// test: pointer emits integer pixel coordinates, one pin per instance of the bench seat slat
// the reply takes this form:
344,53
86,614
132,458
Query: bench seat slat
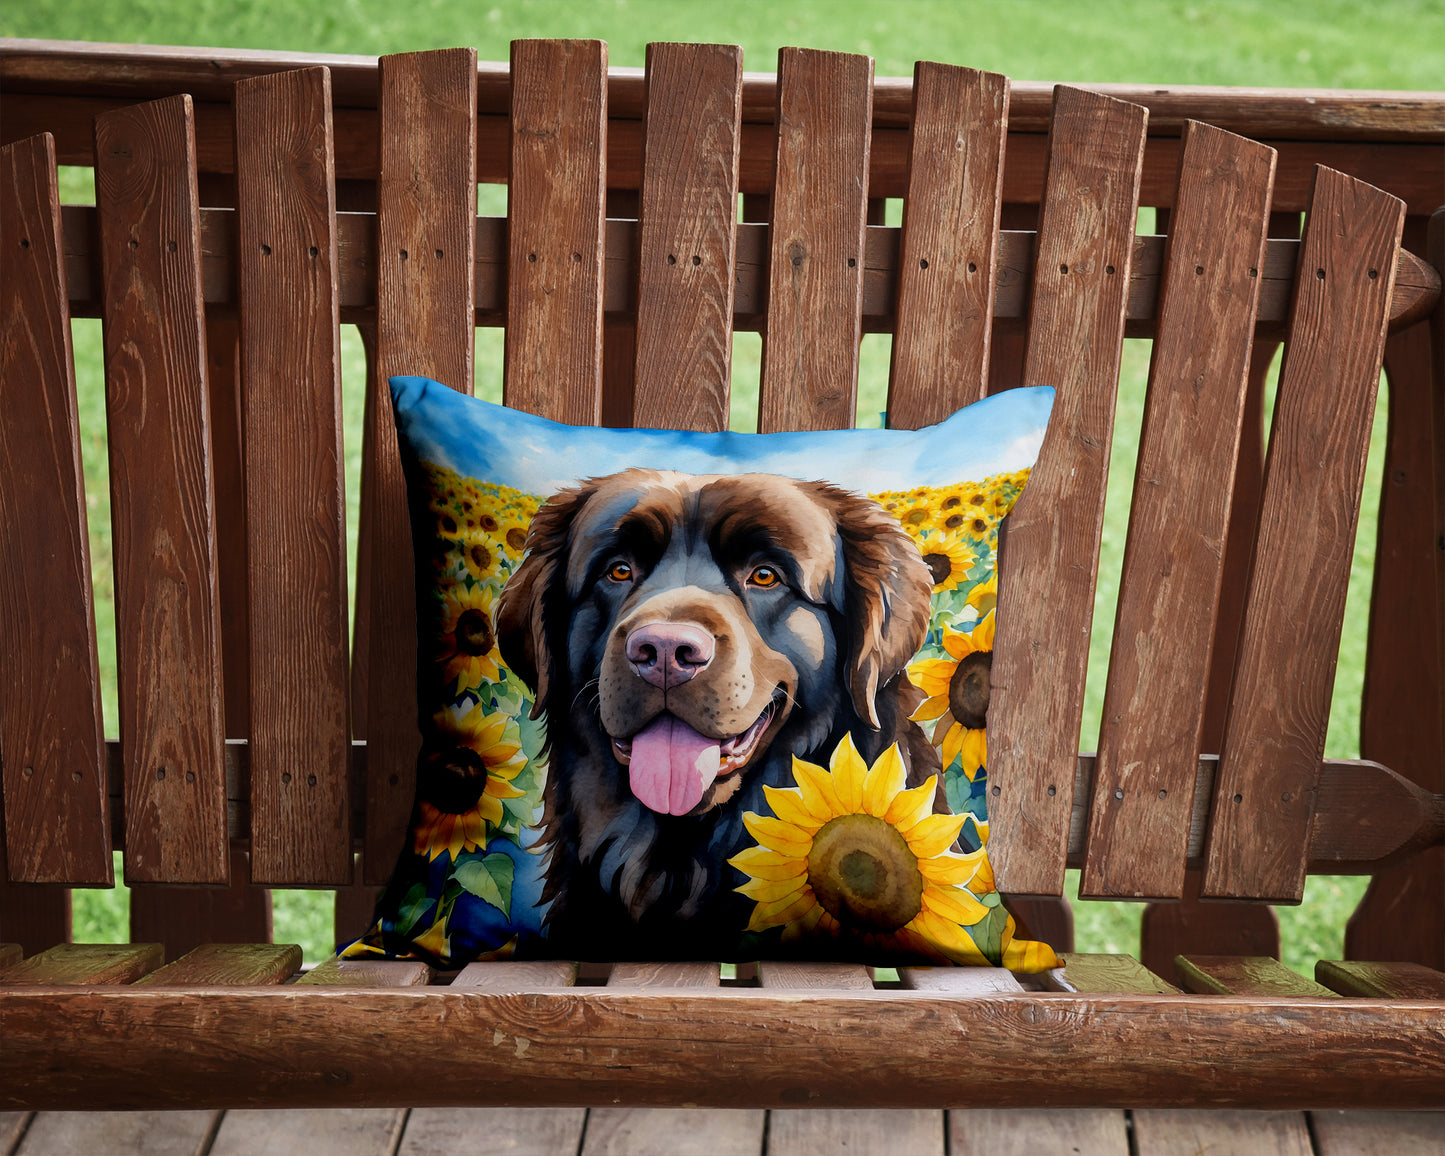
1153,712
335,972
1382,980
1279,708
84,964
168,633
515,975
783,974
56,817
947,263
1091,972
295,499
687,237
816,259
1051,551
1243,975
228,963
556,204
426,249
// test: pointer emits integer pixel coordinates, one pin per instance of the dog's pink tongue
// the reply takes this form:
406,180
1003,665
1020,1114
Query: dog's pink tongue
672,765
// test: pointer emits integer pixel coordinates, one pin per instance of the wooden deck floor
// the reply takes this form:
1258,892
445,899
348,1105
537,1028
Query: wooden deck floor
703,1132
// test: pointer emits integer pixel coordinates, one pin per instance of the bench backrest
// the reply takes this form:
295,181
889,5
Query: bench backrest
241,697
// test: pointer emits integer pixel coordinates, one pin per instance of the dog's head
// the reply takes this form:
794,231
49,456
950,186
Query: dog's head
710,615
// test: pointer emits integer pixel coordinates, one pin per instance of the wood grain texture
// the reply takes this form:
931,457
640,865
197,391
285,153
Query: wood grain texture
184,917
352,1131
1243,975
119,1133
586,1046
1153,714
816,242
959,980
515,1131
1076,331
12,1126
426,219
1279,709
897,1131
674,1132
228,963
85,963
667,975
814,976
947,267
1342,1133
168,631
368,973
687,237
1185,1132
555,206
1097,972
295,500
517,975
1382,980
1033,1131
10,953
57,824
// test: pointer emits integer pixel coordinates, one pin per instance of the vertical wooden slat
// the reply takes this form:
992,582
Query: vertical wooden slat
1046,586
1275,733
687,236
295,502
57,822
815,263
168,631
1153,714
426,221
946,269
555,222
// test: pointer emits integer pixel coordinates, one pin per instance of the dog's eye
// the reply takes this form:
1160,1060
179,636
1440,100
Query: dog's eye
620,572
764,576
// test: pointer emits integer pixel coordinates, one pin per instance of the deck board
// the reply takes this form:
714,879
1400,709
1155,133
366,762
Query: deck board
515,1131
117,1133
315,1131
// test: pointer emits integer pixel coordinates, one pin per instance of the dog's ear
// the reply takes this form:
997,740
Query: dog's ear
523,610
886,592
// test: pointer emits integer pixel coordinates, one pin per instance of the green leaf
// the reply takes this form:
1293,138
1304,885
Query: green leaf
415,904
489,879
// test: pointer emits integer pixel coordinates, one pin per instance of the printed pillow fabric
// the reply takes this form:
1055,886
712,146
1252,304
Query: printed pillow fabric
703,696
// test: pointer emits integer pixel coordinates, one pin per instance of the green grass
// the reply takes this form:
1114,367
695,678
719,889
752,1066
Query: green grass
1306,43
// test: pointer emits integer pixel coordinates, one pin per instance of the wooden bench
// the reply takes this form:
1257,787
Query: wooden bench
245,207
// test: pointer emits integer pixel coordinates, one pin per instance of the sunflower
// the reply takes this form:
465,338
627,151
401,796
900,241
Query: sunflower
513,522
464,779
850,852
948,561
984,596
481,556
467,648
958,691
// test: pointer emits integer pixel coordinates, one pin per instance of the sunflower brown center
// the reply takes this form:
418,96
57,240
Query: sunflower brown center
516,538
968,688
474,632
864,874
939,565
480,555
453,780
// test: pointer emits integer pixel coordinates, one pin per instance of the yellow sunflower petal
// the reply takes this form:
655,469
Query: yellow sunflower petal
983,633
788,806
933,834
501,789
911,806
951,869
885,778
932,675
957,644
952,739
931,708
816,786
776,834
489,809
973,749
954,904
781,911
1027,956
770,890
849,771
950,938
761,863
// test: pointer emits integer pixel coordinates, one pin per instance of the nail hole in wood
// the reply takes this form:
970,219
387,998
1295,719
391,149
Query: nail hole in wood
437,254
133,243
852,262
404,254
972,268
265,250
285,776
1239,798
696,260
1199,270
1163,794
190,776
28,772
923,263
310,780
995,792
672,259
577,257
1319,274
1109,269
160,774
1254,272
1053,791
25,242
76,776
313,251
1374,273
532,257
1063,268
1118,793
170,246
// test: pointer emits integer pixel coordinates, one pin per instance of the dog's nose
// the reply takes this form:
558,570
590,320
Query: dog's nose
666,654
